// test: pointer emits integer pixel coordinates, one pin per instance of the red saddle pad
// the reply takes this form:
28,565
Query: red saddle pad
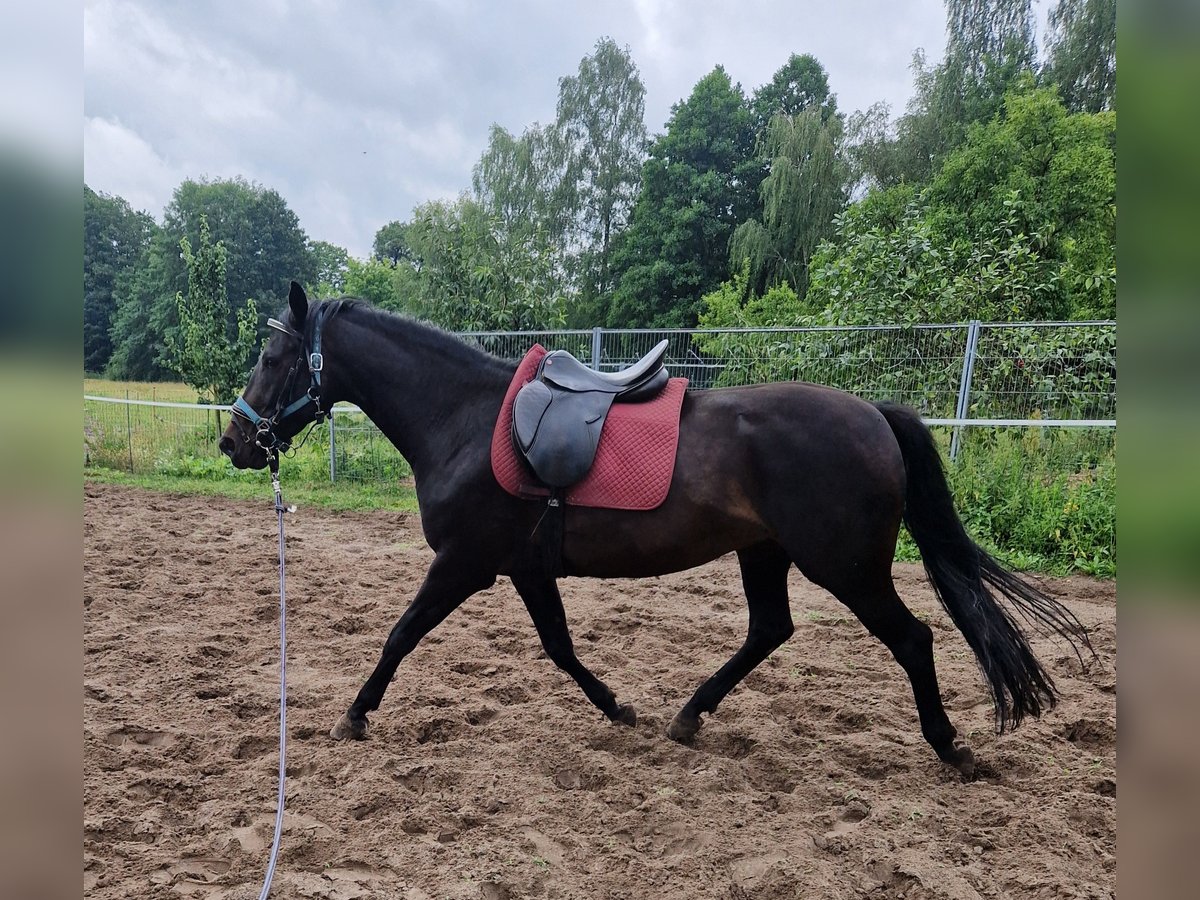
635,458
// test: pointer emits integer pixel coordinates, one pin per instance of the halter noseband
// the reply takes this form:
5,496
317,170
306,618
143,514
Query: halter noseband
310,356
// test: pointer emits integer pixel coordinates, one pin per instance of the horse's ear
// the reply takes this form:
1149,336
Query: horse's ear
298,301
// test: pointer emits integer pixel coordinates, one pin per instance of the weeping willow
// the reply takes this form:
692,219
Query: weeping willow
805,189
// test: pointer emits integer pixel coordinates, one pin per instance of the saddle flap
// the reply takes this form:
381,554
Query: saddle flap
529,407
562,444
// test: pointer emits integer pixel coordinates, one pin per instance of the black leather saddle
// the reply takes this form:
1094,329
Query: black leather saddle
558,416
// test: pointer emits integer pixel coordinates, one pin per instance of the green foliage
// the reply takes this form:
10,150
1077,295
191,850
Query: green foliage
1050,497
805,190
1019,224
801,83
1046,173
693,196
1082,50
373,280
562,193
265,249
115,240
204,353
911,273
601,124
734,305
330,264
989,50
470,279
391,244
144,313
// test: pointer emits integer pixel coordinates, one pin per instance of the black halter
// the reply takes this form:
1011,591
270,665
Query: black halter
311,359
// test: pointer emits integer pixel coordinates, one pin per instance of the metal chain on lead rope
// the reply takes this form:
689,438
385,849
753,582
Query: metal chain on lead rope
280,509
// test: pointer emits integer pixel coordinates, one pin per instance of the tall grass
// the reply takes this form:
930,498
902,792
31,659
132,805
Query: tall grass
168,391
1041,499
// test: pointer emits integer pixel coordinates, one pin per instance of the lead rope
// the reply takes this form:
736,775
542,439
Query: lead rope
280,509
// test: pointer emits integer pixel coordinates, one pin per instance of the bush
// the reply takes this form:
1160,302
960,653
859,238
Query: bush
1038,498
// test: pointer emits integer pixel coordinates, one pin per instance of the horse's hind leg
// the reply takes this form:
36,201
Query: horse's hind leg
545,606
877,605
764,577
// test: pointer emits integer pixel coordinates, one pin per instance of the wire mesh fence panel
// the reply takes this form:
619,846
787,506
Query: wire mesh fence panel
1038,371
144,437
1045,371
361,451
920,366
515,344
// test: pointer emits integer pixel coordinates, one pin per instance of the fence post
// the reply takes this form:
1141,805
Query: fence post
332,450
129,432
596,347
964,385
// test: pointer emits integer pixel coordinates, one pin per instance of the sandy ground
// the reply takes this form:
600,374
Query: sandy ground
488,774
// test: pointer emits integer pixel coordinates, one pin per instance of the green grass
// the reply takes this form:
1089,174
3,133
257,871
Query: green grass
335,496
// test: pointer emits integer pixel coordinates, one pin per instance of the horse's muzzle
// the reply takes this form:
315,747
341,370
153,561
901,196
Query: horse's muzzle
241,453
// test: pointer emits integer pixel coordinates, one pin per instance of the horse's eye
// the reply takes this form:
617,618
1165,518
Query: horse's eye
267,362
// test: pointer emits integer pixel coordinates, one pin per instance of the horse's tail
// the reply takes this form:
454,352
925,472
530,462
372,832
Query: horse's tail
962,572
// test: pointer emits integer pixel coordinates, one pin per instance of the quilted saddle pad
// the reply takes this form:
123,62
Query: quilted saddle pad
635,457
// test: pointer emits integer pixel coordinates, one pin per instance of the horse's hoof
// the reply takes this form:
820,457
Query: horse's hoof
683,728
626,715
348,729
963,760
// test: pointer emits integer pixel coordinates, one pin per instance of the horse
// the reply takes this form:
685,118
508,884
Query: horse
786,474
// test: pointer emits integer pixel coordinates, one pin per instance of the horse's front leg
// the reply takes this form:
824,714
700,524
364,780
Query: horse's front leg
451,579
545,606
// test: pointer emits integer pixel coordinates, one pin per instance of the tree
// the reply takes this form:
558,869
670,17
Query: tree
601,124
805,190
1018,224
205,354
470,279
142,317
115,239
520,185
373,280
330,264
391,244
989,49
265,249
693,195
800,84
1053,174
1082,53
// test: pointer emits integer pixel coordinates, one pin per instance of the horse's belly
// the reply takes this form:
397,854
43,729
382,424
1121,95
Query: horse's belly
676,536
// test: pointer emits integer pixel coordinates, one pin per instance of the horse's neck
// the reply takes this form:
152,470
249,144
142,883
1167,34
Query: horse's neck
427,406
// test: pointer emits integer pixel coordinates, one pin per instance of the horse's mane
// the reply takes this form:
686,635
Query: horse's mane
414,331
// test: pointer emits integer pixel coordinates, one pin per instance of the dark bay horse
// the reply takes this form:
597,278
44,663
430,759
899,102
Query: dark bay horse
781,474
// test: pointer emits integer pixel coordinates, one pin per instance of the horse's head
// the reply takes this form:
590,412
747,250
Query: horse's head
284,391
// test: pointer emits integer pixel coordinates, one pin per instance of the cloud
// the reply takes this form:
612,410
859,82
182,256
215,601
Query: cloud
358,112
119,161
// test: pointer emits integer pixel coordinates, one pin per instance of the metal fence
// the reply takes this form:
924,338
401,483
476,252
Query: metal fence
968,376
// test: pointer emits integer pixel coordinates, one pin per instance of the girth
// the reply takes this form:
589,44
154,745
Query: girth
559,415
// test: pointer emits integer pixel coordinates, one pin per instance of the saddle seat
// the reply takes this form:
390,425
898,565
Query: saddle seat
559,415
564,370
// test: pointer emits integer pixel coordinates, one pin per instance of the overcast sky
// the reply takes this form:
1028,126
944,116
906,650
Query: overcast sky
357,112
